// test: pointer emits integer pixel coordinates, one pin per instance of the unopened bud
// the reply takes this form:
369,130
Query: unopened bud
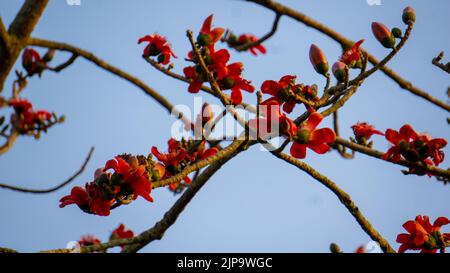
409,15
383,35
318,60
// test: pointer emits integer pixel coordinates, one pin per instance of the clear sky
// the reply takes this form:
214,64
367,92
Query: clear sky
256,203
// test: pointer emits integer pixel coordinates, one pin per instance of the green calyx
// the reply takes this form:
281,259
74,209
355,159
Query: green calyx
303,136
322,68
389,42
203,39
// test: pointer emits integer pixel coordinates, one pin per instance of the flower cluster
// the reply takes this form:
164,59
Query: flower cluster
157,47
414,147
286,90
235,41
181,154
363,132
424,236
227,75
33,63
27,121
121,233
272,120
131,177
88,240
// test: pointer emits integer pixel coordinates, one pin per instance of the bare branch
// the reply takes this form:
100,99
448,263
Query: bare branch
437,62
247,46
70,179
343,197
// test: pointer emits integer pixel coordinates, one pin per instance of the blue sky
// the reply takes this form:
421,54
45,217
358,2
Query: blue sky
256,203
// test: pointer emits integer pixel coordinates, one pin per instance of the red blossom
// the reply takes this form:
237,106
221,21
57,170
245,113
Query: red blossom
132,174
271,118
250,38
352,56
121,233
78,196
228,75
364,131
414,147
423,236
89,240
209,35
285,90
157,46
28,121
308,137
31,61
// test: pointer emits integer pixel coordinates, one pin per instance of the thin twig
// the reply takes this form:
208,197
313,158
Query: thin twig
249,45
437,62
67,181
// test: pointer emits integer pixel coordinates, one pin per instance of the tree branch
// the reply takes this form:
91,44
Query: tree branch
114,70
70,179
345,42
19,32
169,218
343,197
437,62
247,46
377,154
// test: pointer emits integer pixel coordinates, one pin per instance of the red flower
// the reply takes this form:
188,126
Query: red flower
21,105
318,59
31,61
132,174
308,137
234,81
414,147
363,131
78,196
272,118
27,121
250,38
88,240
196,79
280,90
423,236
97,203
383,35
121,233
209,36
352,57
158,46
401,141
173,157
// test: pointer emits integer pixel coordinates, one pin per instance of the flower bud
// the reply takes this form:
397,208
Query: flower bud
339,71
318,60
383,35
409,15
207,113
397,32
48,57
